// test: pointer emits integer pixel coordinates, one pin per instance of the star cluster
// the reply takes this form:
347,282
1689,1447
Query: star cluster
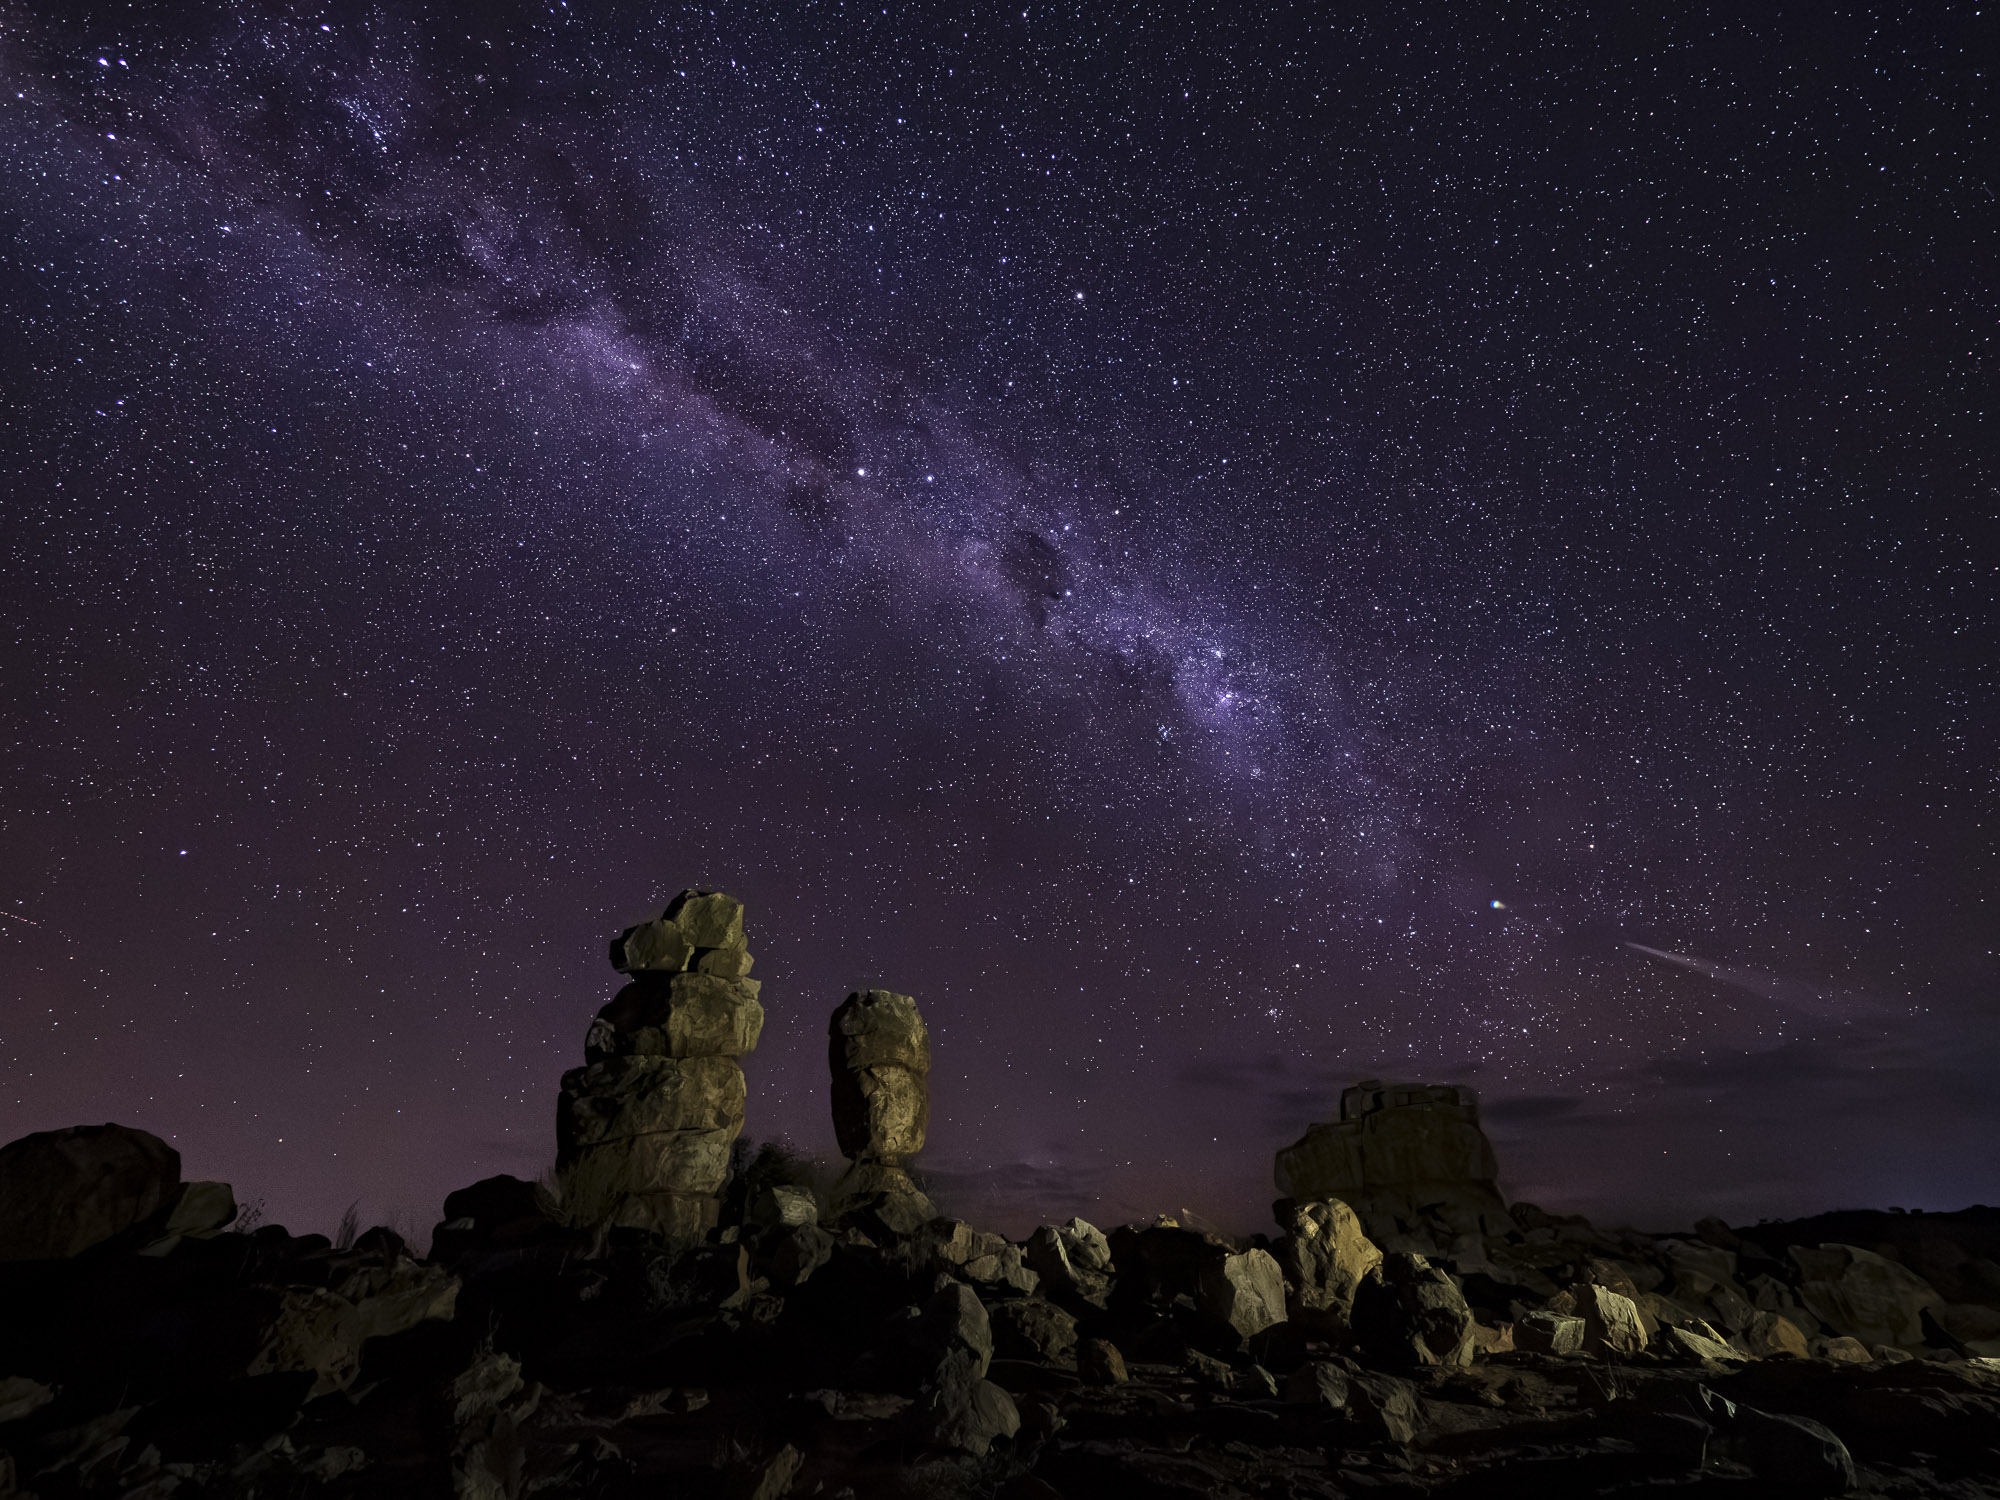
1225,555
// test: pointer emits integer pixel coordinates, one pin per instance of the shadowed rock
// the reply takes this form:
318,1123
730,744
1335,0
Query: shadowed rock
1408,1314
63,1191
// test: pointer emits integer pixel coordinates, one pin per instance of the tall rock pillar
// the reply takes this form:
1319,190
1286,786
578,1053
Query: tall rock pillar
880,1054
644,1128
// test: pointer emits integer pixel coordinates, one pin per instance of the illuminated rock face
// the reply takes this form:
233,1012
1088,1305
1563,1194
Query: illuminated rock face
1398,1153
644,1129
879,1052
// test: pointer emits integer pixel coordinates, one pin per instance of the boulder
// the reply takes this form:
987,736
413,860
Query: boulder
1033,1328
63,1191
1086,1246
679,1015
304,1329
1768,1334
1318,1383
655,947
725,963
1244,1293
782,1205
1383,1407
1611,1326
1792,1455
1864,1295
1323,1255
967,1414
955,1330
880,1198
1549,1333
622,1097
1099,1362
1696,1346
203,1210
709,918
493,1202
1047,1255
393,1294
1005,1267
788,1254
1407,1313
770,1477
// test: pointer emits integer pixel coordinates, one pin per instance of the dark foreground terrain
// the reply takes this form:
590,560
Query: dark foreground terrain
147,1351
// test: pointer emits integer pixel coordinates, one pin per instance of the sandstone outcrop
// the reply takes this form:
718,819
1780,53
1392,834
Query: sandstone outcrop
1410,1159
879,1053
644,1128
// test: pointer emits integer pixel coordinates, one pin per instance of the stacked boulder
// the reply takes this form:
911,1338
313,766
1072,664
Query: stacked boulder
644,1128
880,1055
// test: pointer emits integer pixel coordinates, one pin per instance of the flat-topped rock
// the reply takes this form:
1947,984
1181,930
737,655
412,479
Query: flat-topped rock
1395,1149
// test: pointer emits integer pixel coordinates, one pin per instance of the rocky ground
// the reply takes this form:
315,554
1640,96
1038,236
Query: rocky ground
148,1350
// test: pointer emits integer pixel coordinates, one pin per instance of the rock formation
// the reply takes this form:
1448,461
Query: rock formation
879,1052
644,1128
1410,1159
147,1351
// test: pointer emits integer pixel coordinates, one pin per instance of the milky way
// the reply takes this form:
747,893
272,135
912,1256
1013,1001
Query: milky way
1222,560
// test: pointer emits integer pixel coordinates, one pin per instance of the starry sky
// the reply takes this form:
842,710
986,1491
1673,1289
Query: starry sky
1225,552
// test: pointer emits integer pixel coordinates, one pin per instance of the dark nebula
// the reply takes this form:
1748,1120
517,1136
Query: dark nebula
1225,554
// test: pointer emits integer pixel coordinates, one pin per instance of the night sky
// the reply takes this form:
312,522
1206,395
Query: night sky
1226,551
